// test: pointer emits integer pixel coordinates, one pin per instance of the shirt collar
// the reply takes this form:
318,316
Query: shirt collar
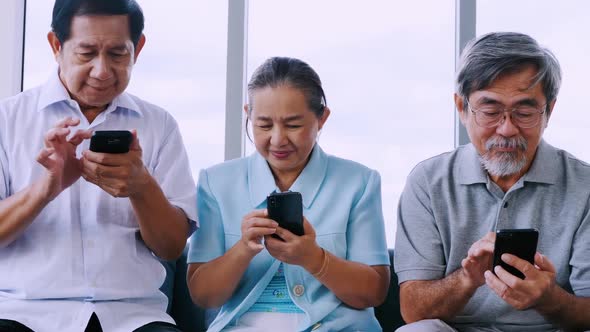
544,168
53,92
470,169
262,183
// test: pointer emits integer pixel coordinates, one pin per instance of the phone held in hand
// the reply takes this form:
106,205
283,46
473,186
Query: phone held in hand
287,210
518,242
111,141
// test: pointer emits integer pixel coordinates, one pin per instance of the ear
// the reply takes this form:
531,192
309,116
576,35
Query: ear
54,43
139,47
460,104
550,111
246,110
324,117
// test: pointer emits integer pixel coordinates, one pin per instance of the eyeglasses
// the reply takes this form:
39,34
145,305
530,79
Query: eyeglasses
522,116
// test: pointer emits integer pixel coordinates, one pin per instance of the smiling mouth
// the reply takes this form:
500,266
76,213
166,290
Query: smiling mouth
280,154
100,88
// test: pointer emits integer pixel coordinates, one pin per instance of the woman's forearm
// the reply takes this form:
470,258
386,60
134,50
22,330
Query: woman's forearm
211,284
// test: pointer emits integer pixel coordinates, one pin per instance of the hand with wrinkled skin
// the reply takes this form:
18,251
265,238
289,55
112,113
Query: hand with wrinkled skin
59,157
120,175
479,260
521,294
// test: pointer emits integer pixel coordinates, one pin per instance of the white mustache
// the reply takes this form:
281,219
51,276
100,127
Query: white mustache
506,143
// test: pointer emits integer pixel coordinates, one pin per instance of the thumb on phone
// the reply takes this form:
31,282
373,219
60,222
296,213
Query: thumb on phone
135,141
543,263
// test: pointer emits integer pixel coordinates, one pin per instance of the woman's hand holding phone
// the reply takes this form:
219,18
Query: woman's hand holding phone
294,249
255,226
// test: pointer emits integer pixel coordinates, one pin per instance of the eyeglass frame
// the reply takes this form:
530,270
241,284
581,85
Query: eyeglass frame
542,109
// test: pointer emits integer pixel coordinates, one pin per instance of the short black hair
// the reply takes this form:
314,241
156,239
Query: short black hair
65,10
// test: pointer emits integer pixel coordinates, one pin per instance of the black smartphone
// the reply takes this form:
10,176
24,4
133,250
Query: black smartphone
518,242
111,141
286,209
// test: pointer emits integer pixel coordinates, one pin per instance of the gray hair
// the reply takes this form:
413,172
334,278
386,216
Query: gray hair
294,73
491,55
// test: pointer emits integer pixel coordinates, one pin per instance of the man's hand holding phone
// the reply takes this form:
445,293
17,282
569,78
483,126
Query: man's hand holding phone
521,276
532,292
59,159
119,174
478,260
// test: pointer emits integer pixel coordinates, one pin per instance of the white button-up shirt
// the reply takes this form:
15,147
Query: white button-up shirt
84,253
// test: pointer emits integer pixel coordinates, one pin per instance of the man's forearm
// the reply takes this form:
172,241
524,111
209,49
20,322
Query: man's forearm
567,310
18,211
163,227
435,299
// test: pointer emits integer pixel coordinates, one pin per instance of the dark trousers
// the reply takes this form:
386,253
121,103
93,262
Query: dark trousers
93,326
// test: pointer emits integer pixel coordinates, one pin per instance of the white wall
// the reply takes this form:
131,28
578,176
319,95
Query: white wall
11,33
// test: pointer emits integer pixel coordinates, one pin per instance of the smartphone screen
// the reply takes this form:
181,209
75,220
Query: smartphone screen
111,141
518,242
287,210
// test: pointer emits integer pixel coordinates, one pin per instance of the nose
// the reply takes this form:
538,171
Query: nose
101,69
278,136
507,128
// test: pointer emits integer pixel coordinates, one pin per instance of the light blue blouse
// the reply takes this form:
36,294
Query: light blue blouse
341,199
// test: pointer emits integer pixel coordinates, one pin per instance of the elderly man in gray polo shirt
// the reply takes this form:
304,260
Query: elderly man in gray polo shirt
508,177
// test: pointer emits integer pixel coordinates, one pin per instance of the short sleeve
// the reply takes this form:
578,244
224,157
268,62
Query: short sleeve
208,242
579,262
173,173
419,251
366,230
4,175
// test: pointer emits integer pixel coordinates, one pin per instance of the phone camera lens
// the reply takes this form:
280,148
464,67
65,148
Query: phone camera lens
272,201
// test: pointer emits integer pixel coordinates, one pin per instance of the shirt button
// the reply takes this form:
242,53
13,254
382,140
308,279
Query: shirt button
316,326
298,290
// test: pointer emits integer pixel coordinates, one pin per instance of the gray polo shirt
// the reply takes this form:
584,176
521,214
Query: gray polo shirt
449,203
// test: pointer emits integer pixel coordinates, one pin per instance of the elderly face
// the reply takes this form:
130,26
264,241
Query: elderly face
95,62
284,128
506,149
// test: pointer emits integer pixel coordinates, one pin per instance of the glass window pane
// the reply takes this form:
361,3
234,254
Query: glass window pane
558,26
181,68
387,69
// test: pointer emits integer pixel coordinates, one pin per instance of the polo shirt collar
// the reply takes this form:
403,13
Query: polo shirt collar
470,169
53,92
544,168
261,182
546,165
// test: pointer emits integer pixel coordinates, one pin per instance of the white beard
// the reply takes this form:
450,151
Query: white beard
504,164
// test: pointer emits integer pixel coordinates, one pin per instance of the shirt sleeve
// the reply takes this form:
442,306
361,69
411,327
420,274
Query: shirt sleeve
580,265
208,242
419,251
366,230
173,174
4,176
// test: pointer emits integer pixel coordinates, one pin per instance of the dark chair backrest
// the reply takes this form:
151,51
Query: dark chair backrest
388,314
189,317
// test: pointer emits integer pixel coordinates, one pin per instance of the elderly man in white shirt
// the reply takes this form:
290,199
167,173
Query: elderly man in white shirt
80,230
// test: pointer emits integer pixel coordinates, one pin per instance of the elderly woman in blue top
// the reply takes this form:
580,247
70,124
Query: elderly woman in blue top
325,280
